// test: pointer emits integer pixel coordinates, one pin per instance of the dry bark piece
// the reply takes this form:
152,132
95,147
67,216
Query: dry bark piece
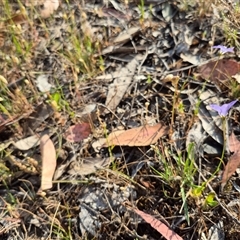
141,136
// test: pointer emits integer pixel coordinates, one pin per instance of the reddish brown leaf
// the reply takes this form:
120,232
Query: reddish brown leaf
233,143
218,71
159,226
234,161
232,164
141,136
78,132
49,161
17,19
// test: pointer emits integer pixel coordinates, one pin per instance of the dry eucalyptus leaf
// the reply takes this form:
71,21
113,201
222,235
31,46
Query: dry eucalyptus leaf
49,6
209,125
114,135
193,59
118,13
141,136
216,232
162,228
124,36
49,161
117,89
88,112
233,143
232,164
220,70
27,143
167,11
234,161
88,165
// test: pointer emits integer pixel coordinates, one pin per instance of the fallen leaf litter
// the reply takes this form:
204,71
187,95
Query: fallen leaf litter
155,67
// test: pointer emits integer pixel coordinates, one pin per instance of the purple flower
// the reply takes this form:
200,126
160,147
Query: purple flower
224,49
223,110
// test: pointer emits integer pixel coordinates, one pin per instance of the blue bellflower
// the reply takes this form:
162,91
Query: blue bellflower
224,49
223,110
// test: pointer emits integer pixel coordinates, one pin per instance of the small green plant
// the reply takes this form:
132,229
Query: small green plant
186,166
231,35
185,5
141,8
197,191
179,170
181,107
230,25
5,172
21,45
59,103
188,170
82,47
13,102
149,79
234,88
11,201
210,200
167,173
